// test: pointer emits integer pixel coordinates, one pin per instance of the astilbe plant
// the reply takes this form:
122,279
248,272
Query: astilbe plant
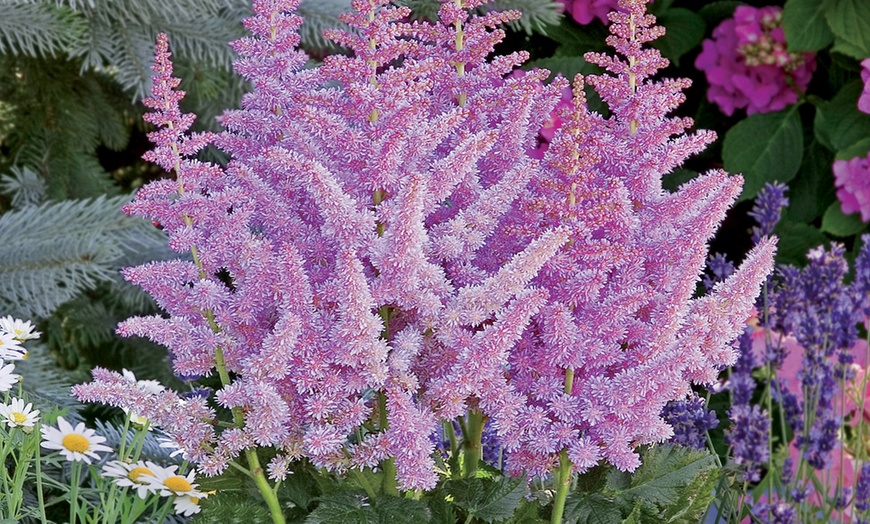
380,254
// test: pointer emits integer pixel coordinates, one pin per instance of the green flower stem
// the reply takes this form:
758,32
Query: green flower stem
391,486
563,480
472,440
256,470
364,482
74,491
40,498
265,489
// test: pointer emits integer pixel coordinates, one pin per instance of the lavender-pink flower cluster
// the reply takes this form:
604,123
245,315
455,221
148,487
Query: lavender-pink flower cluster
852,177
380,253
748,65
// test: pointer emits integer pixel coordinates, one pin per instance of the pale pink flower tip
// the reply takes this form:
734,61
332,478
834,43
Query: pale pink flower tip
852,178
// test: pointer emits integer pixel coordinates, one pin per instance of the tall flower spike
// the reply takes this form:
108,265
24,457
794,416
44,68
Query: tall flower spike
621,334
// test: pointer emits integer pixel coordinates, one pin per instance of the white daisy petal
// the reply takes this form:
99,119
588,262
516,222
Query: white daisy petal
19,415
75,444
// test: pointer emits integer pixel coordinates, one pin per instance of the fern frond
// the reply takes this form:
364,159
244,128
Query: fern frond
24,186
38,29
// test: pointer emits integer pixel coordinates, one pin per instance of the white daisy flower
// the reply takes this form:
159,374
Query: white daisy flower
134,475
169,483
79,443
151,386
19,415
19,329
168,443
7,378
187,505
11,348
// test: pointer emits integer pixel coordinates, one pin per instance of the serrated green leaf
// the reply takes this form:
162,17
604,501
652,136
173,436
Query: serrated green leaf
396,510
664,473
684,30
805,26
442,510
343,507
486,499
838,123
812,190
527,513
764,148
233,508
694,500
840,225
795,240
850,22
591,508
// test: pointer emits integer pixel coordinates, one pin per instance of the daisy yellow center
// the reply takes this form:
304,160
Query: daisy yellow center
194,500
177,484
18,418
76,443
135,473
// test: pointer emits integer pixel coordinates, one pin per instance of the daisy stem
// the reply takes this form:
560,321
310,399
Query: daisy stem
39,495
122,447
139,441
75,474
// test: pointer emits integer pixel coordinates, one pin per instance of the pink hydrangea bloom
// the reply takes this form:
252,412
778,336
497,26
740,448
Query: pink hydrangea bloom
864,100
748,66
852,178
584,11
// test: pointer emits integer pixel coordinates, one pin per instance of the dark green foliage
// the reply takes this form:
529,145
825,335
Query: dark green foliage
673,485
354,507
490,500
764,148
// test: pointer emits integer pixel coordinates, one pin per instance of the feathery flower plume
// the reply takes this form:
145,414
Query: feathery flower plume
629,269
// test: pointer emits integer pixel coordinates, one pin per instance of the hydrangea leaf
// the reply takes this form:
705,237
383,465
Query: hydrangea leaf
850,23
838,123
763,148
715,12
859,148
838,224
574,41
685,30
805,26
813,188
795,240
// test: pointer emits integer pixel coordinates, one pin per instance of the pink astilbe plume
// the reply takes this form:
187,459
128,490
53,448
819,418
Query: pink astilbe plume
335,257
620,333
